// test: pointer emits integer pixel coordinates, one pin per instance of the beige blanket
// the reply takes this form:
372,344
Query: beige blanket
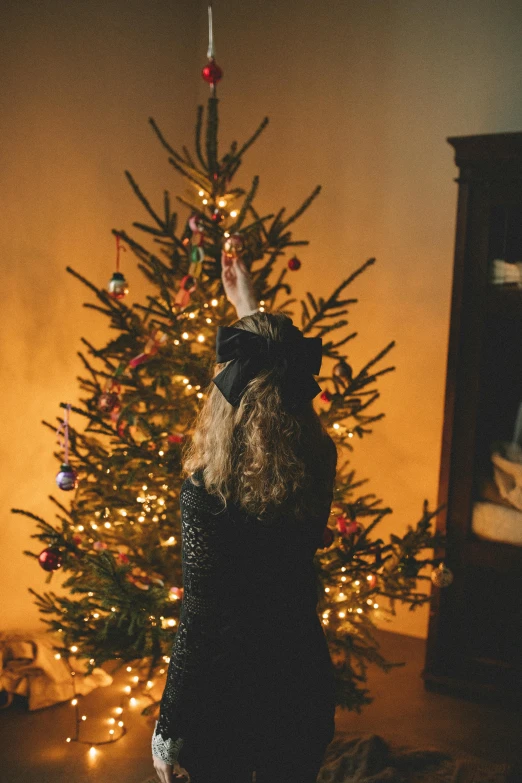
28,667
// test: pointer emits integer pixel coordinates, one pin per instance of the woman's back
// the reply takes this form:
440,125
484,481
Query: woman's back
268,674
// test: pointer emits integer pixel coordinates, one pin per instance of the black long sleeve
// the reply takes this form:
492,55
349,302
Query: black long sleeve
202,625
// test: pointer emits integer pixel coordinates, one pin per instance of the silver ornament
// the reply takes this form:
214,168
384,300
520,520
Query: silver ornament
441,576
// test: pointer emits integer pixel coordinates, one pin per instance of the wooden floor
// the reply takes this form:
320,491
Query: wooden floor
33,747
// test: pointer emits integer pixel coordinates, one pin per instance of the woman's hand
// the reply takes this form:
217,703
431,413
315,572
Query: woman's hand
237,283
165,772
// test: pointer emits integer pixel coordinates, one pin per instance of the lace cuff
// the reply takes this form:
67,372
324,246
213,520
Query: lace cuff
166,750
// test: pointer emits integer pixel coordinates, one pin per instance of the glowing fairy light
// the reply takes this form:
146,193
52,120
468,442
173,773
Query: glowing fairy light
185,380
342,614
107,524
92,751
226,234
222,203
199,394
74,648
208,320
127,689
205,201
133,702
335,426
192,315
233,214
144,487
185,335
201,193
118,711
176,342
213,302
201,338
74,702
123,513
129,668
57,656
359,611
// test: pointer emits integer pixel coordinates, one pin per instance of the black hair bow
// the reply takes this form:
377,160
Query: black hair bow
299,359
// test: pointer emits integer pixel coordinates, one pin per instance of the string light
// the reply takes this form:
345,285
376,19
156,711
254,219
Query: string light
222,203
213,302
201,193
233,214
185,335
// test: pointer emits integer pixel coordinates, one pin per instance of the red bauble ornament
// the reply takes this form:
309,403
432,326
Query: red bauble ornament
328,537
352,527
50,558
212,73
218,215
326,396
175,437
122,558
341,524
294,263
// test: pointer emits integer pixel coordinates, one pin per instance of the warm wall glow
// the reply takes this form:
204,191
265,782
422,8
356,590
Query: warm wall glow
377,101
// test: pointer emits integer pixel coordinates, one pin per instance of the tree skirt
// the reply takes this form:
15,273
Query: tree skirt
370,759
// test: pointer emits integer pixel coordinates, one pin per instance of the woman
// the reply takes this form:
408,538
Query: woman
250,685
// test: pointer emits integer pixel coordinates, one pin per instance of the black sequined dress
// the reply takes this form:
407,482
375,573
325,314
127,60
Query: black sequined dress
250,663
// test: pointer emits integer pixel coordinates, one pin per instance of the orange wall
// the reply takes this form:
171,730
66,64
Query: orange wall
79,81
361,97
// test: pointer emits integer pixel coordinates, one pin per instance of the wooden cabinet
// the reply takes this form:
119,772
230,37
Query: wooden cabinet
475,630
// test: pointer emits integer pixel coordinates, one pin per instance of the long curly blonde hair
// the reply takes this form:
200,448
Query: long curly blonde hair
259,455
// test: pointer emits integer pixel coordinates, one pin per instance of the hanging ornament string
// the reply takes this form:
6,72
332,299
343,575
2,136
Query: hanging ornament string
118,287
211,73
67,477
62,434
119,247
210,50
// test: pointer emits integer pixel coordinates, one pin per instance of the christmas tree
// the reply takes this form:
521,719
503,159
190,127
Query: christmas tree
119,541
